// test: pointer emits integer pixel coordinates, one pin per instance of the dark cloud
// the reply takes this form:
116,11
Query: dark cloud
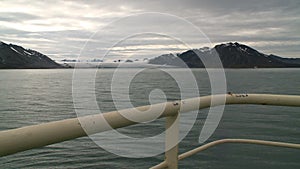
16,16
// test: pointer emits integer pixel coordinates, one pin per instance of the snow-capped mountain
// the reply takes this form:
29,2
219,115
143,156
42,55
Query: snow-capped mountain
16,57
232,55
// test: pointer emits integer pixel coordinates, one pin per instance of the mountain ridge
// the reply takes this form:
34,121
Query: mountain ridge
232,55
16,57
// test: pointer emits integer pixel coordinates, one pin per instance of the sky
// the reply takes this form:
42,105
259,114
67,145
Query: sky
142,28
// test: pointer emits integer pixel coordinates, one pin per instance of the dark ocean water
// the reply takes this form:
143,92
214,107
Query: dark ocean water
30,97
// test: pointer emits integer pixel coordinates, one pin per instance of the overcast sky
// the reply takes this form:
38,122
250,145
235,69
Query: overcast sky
60,29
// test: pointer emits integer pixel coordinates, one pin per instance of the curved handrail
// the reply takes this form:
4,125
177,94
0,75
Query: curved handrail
244,141
25,138
223,141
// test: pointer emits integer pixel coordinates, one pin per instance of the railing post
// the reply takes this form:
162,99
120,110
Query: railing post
172,135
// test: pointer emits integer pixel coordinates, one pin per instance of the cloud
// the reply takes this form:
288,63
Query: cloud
61,28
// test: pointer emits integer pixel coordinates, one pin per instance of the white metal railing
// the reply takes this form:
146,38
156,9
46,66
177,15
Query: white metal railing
164,164
25,138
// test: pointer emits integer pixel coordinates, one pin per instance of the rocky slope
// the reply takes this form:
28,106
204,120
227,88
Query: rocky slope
16,57
232,55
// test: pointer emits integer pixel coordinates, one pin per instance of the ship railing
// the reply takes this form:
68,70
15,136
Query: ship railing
29,137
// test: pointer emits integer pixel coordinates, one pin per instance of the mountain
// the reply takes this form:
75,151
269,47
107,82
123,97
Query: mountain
232,55
16,57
